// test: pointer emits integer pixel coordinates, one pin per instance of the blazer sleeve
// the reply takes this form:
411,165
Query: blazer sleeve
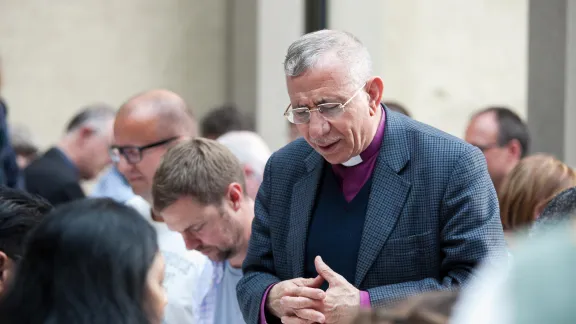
258,267
68,192
471,230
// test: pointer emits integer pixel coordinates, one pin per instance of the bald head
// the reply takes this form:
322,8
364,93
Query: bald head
164,108
146,126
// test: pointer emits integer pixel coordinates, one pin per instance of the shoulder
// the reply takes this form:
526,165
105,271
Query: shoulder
138,203
423,134
295,151
290,159
48,165
430,146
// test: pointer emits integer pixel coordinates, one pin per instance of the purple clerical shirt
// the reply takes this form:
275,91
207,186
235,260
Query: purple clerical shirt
351,180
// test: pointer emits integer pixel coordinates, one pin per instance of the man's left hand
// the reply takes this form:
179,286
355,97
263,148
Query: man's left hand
340,306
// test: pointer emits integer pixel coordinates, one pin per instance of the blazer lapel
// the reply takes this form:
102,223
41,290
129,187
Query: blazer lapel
303,197
387,195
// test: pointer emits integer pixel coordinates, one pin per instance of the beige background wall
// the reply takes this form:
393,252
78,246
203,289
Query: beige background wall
445,58
59,55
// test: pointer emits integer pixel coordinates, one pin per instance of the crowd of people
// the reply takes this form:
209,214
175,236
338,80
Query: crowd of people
366,216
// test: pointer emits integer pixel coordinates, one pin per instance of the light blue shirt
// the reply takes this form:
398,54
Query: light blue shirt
113,185
221,305
227,309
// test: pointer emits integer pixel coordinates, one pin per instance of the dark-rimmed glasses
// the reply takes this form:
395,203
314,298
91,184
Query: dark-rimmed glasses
487,147
133,154
329,111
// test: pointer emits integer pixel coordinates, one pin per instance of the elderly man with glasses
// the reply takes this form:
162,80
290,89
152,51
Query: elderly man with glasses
145,127
368,207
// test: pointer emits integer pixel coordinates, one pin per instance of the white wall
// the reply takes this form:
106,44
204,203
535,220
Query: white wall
444,59
279,24
60,55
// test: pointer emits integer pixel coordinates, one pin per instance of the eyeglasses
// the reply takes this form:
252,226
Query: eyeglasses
487,147
133,154
327,110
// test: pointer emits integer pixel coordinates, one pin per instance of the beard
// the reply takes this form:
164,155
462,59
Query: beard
217,254
231,235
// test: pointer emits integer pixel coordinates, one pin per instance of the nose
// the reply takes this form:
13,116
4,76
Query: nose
318,126
192,243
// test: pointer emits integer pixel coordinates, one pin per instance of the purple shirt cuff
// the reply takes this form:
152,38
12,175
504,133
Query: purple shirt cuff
364,299
263,306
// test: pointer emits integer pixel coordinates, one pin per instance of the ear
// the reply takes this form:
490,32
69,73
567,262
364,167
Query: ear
235,195
85,132
5,268
375,89
248,171
515,149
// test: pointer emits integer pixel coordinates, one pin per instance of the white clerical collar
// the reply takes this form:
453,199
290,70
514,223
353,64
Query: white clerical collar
355,160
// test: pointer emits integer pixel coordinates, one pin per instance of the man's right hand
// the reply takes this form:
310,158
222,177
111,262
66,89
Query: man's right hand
306,289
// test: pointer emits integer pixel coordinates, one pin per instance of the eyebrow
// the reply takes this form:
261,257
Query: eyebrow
320,101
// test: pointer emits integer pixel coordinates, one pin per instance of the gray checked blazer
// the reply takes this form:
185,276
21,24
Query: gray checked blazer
432,216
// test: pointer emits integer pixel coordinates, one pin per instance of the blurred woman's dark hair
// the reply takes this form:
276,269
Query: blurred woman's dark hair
426,308
86,262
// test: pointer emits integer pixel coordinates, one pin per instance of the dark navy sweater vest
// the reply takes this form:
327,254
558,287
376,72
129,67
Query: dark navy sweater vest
335,228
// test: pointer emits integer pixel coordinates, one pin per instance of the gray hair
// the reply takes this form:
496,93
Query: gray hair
94,115
249,148
307,52
22,140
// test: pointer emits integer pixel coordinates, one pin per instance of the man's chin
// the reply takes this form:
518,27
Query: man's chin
139,189
217,255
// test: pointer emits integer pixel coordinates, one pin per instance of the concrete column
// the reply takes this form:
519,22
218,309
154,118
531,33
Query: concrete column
552,77
262,31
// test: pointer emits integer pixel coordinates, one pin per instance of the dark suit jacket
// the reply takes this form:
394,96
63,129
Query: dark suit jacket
10,174
53,177
432,216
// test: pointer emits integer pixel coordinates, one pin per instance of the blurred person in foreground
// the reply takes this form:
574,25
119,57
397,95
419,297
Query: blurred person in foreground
145,127
81,154
503,138
561,208
20,213
535,287
89,261
252,152
369,207
528,188
209,206
10,173
224,119
427,308
24,146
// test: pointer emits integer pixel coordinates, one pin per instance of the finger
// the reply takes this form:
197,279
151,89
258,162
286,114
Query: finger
293,320
310,315
311,282
312,293
300,303
316,282
325,271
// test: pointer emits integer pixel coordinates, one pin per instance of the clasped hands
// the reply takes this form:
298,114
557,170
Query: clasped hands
301,301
